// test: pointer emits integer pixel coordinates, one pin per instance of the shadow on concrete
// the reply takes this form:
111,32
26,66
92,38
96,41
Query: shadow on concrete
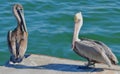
70,68
58,67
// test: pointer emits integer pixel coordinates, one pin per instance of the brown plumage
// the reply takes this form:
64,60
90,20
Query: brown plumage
94,51
17,39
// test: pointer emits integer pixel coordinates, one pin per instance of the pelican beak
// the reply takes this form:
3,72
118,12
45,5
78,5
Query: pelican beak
21,14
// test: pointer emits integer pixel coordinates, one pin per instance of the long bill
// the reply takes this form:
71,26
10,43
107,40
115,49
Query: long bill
77,27
23,23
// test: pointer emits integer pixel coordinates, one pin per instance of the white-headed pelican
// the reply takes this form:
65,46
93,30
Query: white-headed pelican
94,51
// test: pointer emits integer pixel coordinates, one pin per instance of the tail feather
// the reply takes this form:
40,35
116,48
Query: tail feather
106,59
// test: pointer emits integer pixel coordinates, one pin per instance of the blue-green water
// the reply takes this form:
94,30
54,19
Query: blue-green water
50,24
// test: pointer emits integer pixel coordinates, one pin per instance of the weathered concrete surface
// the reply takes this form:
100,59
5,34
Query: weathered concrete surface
40,64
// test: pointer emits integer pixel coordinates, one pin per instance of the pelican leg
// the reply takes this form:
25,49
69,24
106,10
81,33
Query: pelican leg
87,65
12,46
93,63
90,63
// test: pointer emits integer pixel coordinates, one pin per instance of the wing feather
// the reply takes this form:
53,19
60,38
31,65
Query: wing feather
108,51
91,51
11,43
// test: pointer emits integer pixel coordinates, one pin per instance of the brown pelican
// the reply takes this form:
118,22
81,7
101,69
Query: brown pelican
17,39
94,51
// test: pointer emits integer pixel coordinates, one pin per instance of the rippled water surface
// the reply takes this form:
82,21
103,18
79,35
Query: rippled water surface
50,24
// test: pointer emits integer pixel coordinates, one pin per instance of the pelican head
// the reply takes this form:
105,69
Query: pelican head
19,14
78,17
